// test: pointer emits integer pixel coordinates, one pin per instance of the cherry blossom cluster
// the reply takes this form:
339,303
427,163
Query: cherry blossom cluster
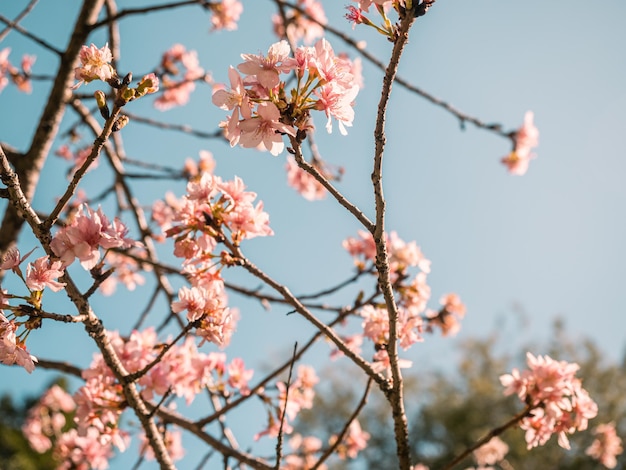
179,70
607,445
307,26
413,295
211,211
269,108
524,140
40,274
558,403
20,78
225,14
84,235
98,405
95,64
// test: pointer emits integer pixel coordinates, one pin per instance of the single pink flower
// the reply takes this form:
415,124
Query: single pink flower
95,64
607,445
303,182
266,69
525,139
226,14
265,130
43,273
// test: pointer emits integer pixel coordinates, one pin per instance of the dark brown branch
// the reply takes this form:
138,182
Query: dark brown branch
17,19
13,25
150,9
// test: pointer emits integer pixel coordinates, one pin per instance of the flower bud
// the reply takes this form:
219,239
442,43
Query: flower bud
101,101
148,84
120,123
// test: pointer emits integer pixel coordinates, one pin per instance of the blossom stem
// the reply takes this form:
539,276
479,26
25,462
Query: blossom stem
491,434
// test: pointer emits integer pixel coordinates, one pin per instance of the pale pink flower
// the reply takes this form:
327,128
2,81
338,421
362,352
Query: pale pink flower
337,102
561,405
46,419
607,445
299,25
83,452
238,377
12,349
11,259
353,342
353,442
265,129
21,79
381,363
127,272
452,303
85,234
266,69
95,64
44,273
193,300
180,70
306,448
174,94
491,453
226,14
303,182
526,138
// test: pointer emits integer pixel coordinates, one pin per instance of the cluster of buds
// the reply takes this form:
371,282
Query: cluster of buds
269,109
95,64
357,15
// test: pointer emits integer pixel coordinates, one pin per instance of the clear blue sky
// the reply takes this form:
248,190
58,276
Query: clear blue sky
547,244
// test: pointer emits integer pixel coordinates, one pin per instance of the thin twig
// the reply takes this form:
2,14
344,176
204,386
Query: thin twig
279,440
328,452
17,19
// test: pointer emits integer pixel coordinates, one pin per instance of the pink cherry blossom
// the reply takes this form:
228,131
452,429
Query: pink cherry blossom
12,349
95,64
238,377
226,14
303,182
180,71
607,445
525,139
491,453
85,234
307,27
559,403
265,129
266,69
44,273
337,102
354,441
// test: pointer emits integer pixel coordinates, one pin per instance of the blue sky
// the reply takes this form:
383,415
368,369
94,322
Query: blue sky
520,251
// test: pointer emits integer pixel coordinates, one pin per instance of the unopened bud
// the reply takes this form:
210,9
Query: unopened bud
148,84
101,101
127,79
120,123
